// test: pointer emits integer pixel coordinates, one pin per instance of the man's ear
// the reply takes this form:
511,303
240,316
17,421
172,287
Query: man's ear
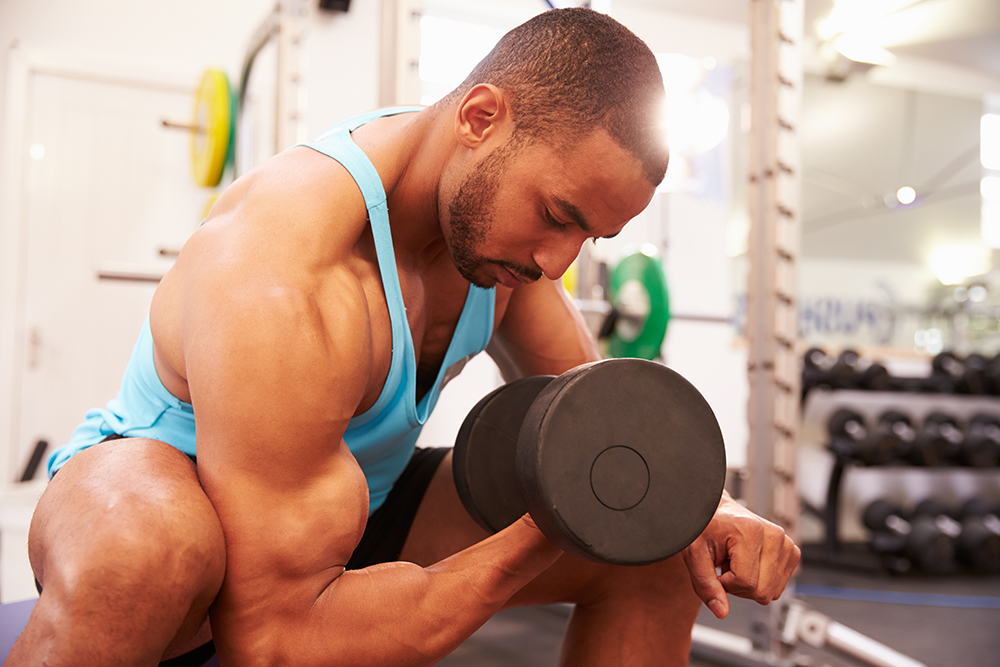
481,115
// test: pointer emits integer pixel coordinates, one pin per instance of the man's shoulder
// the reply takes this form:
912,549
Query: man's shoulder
296,211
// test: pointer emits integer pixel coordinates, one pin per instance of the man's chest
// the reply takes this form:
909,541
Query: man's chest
433,301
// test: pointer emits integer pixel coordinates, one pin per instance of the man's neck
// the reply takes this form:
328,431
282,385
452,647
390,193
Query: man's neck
410,154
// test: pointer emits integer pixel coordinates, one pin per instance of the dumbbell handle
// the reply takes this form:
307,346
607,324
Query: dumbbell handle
944,523
991,521
898,524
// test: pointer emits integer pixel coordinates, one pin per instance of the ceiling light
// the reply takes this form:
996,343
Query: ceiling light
862,50
849,14
906,195
952,264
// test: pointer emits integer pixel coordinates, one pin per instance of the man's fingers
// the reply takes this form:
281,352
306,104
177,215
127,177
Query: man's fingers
781,565
794,555
701,566
746,561
761,568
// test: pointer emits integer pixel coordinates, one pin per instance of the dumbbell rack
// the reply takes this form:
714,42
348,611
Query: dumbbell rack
833,550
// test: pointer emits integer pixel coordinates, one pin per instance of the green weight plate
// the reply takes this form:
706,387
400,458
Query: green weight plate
234,107
639,294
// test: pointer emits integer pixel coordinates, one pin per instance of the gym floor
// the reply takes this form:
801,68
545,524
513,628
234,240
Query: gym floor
943,621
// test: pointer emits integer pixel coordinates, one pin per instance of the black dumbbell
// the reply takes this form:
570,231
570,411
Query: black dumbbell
981,446
845,372
992,374
919,543
850,438
815,371
898,425
876,377
937,441
619,461
946,372
978,547
973,379
847,433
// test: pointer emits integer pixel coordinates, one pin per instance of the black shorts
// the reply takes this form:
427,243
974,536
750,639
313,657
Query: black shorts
384,534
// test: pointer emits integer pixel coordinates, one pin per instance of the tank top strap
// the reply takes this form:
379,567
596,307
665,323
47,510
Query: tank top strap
337,144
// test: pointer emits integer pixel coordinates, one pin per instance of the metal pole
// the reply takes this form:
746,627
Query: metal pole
399,60
290,112
772,321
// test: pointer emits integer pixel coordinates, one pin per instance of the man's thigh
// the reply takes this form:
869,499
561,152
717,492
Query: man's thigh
125,540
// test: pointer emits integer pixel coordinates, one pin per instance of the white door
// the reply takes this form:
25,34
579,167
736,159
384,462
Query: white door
106,187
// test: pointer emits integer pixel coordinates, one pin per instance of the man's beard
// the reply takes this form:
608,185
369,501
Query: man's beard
471,219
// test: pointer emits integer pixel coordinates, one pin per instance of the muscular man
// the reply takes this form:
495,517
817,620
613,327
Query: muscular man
306,329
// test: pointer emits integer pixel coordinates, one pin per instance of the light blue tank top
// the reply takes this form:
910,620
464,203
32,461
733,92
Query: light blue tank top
382,439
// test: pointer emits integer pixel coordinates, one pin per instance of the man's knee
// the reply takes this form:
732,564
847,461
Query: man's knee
117,538
665,583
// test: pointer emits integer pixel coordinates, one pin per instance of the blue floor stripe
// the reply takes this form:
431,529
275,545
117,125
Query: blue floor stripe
895,597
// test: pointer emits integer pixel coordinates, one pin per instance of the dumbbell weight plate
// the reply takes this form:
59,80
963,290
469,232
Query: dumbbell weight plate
485,452
621,461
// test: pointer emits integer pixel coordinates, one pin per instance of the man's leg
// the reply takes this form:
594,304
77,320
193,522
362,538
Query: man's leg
623,615
130,555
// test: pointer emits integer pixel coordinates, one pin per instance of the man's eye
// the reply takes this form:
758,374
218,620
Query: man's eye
552,221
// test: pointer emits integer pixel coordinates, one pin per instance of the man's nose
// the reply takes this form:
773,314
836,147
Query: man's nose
553,260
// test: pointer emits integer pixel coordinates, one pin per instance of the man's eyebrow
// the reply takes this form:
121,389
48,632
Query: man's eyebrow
576,215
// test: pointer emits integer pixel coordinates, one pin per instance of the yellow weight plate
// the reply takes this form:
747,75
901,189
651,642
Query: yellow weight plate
213,123
571,278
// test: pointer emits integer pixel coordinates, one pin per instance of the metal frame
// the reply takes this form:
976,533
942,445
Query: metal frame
399,55
285,25
772,332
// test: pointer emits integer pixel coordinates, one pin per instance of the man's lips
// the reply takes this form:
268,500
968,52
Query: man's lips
510,279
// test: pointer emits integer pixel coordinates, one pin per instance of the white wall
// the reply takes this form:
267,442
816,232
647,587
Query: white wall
170,44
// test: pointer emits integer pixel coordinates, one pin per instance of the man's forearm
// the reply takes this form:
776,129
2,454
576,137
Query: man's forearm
400,613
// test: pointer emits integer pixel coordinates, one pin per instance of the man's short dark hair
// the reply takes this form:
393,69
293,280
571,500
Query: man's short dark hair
568,72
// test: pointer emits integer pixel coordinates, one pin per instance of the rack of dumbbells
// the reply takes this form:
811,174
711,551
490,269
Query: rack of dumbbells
954,425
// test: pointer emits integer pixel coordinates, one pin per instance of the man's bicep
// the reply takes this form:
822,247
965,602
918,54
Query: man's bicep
262,366
273,392
541,332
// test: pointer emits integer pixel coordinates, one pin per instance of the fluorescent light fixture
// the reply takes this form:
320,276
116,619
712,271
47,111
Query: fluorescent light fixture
952,264
862,50
906,195
989,141
849,14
